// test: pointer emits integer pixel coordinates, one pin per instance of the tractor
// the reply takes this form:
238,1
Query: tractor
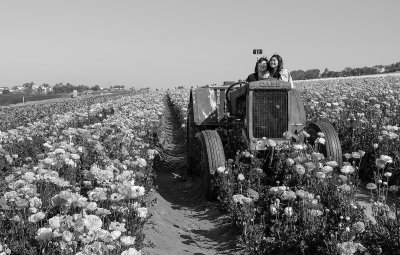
224,119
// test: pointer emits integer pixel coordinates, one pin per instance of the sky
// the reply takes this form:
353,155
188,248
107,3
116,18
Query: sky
169,43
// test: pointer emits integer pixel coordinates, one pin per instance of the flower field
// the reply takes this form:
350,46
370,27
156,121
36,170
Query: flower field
75,181
298,202
76,175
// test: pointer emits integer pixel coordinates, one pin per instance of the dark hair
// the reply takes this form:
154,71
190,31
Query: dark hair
259,61
277,74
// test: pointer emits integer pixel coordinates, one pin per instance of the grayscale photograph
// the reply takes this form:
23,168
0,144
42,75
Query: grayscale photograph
181,127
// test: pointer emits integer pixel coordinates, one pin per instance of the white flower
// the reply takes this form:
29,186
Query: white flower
241,199
258,170
298,146
29,177
67,236
289,211
289,162
37,217
271,143
115,234
137,191
332,163
142,212
315,212
75,156
142,162
387,159
361,152
44,234
35,202
131,251
300,169
320,175
127,240
347,169
91,206
59,151
93,222
388,174
327,169
241,177
272,209
54,222
273,190
221,169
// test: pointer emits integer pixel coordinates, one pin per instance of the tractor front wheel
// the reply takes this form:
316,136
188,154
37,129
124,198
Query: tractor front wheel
212,156
332,149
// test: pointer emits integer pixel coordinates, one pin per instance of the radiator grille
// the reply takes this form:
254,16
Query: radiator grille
270,113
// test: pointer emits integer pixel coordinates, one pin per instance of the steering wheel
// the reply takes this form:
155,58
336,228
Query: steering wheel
230,88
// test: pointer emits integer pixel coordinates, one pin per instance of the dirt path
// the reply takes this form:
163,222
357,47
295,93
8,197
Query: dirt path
182,221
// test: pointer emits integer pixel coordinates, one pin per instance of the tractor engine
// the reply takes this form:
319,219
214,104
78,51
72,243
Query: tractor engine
270,108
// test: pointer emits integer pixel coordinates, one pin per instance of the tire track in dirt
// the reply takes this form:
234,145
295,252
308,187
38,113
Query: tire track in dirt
182,222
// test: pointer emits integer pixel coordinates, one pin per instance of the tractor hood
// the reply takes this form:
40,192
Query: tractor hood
270,84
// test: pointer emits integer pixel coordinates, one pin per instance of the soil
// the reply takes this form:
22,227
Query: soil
182,221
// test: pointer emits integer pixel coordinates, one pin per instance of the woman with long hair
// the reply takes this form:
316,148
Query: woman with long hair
277,71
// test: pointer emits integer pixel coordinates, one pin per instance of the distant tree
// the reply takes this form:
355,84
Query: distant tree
333,74
368,70
348,71
312,74
325,74
44,88
58,88
95,88
379,68
82,88
28,87
41,90
392,68
6,91
298,75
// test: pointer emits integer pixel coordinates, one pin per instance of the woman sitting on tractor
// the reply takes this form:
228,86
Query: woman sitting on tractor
260,71
276,70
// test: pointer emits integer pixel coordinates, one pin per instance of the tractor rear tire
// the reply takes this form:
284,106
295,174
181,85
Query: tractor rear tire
332,149
212,156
